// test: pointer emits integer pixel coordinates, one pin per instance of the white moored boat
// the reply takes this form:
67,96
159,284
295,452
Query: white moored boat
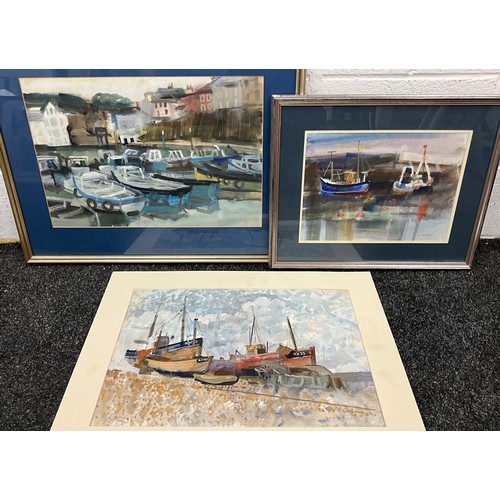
101,193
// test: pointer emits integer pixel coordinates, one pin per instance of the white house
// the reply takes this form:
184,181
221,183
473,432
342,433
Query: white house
129,127
48,125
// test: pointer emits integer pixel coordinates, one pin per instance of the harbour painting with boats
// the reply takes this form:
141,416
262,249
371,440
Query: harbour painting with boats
149,151
239,358
381,186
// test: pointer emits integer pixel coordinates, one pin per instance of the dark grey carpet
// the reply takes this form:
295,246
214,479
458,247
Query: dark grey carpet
445,323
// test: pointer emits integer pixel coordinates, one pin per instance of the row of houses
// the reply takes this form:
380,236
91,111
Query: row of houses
52,127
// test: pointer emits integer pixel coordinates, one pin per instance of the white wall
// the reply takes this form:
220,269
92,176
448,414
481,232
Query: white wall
8,230
376,82
415,82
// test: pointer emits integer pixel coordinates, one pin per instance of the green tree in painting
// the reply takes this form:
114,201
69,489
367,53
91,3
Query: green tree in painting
111,102
66,102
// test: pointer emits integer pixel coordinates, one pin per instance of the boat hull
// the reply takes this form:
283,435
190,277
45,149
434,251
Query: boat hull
207,171
180,354
402,189
330,187
244,363
153,186
291,358
296,358
199,364
213,379
298,362
98,193
179,350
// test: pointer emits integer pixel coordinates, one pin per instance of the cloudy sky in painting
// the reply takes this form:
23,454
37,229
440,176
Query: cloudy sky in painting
131,87
442,146
323,318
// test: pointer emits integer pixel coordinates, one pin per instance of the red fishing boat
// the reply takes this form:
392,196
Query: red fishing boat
257,353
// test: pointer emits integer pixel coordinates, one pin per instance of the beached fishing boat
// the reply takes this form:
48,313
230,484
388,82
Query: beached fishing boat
198,364
101,193
412,181
257,353
344,181
158,343
182,359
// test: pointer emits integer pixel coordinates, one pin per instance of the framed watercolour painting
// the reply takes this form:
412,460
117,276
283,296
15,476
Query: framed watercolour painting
381,182
140,165
239,351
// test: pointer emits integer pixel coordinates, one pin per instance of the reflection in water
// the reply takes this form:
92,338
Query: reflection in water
83,194
380,215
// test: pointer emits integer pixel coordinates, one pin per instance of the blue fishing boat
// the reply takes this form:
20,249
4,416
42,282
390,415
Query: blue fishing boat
343,181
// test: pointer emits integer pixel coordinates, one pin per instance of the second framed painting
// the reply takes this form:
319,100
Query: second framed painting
381,182
140,165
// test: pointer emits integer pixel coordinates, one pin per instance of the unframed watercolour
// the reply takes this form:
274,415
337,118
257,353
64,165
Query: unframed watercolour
381,186
301,350
285,358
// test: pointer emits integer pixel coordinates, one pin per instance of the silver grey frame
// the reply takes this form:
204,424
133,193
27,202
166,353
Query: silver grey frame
281,101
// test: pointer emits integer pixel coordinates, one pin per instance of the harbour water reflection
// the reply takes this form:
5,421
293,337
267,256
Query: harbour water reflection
379,215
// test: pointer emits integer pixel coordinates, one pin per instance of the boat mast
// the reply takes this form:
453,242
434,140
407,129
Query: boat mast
183,319
195,326
252,328
330,165
291,333
152,327
357,168
423,162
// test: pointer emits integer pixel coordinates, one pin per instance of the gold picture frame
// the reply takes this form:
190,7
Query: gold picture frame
242,238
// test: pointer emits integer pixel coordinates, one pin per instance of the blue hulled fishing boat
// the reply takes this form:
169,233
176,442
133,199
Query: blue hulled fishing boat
343,181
